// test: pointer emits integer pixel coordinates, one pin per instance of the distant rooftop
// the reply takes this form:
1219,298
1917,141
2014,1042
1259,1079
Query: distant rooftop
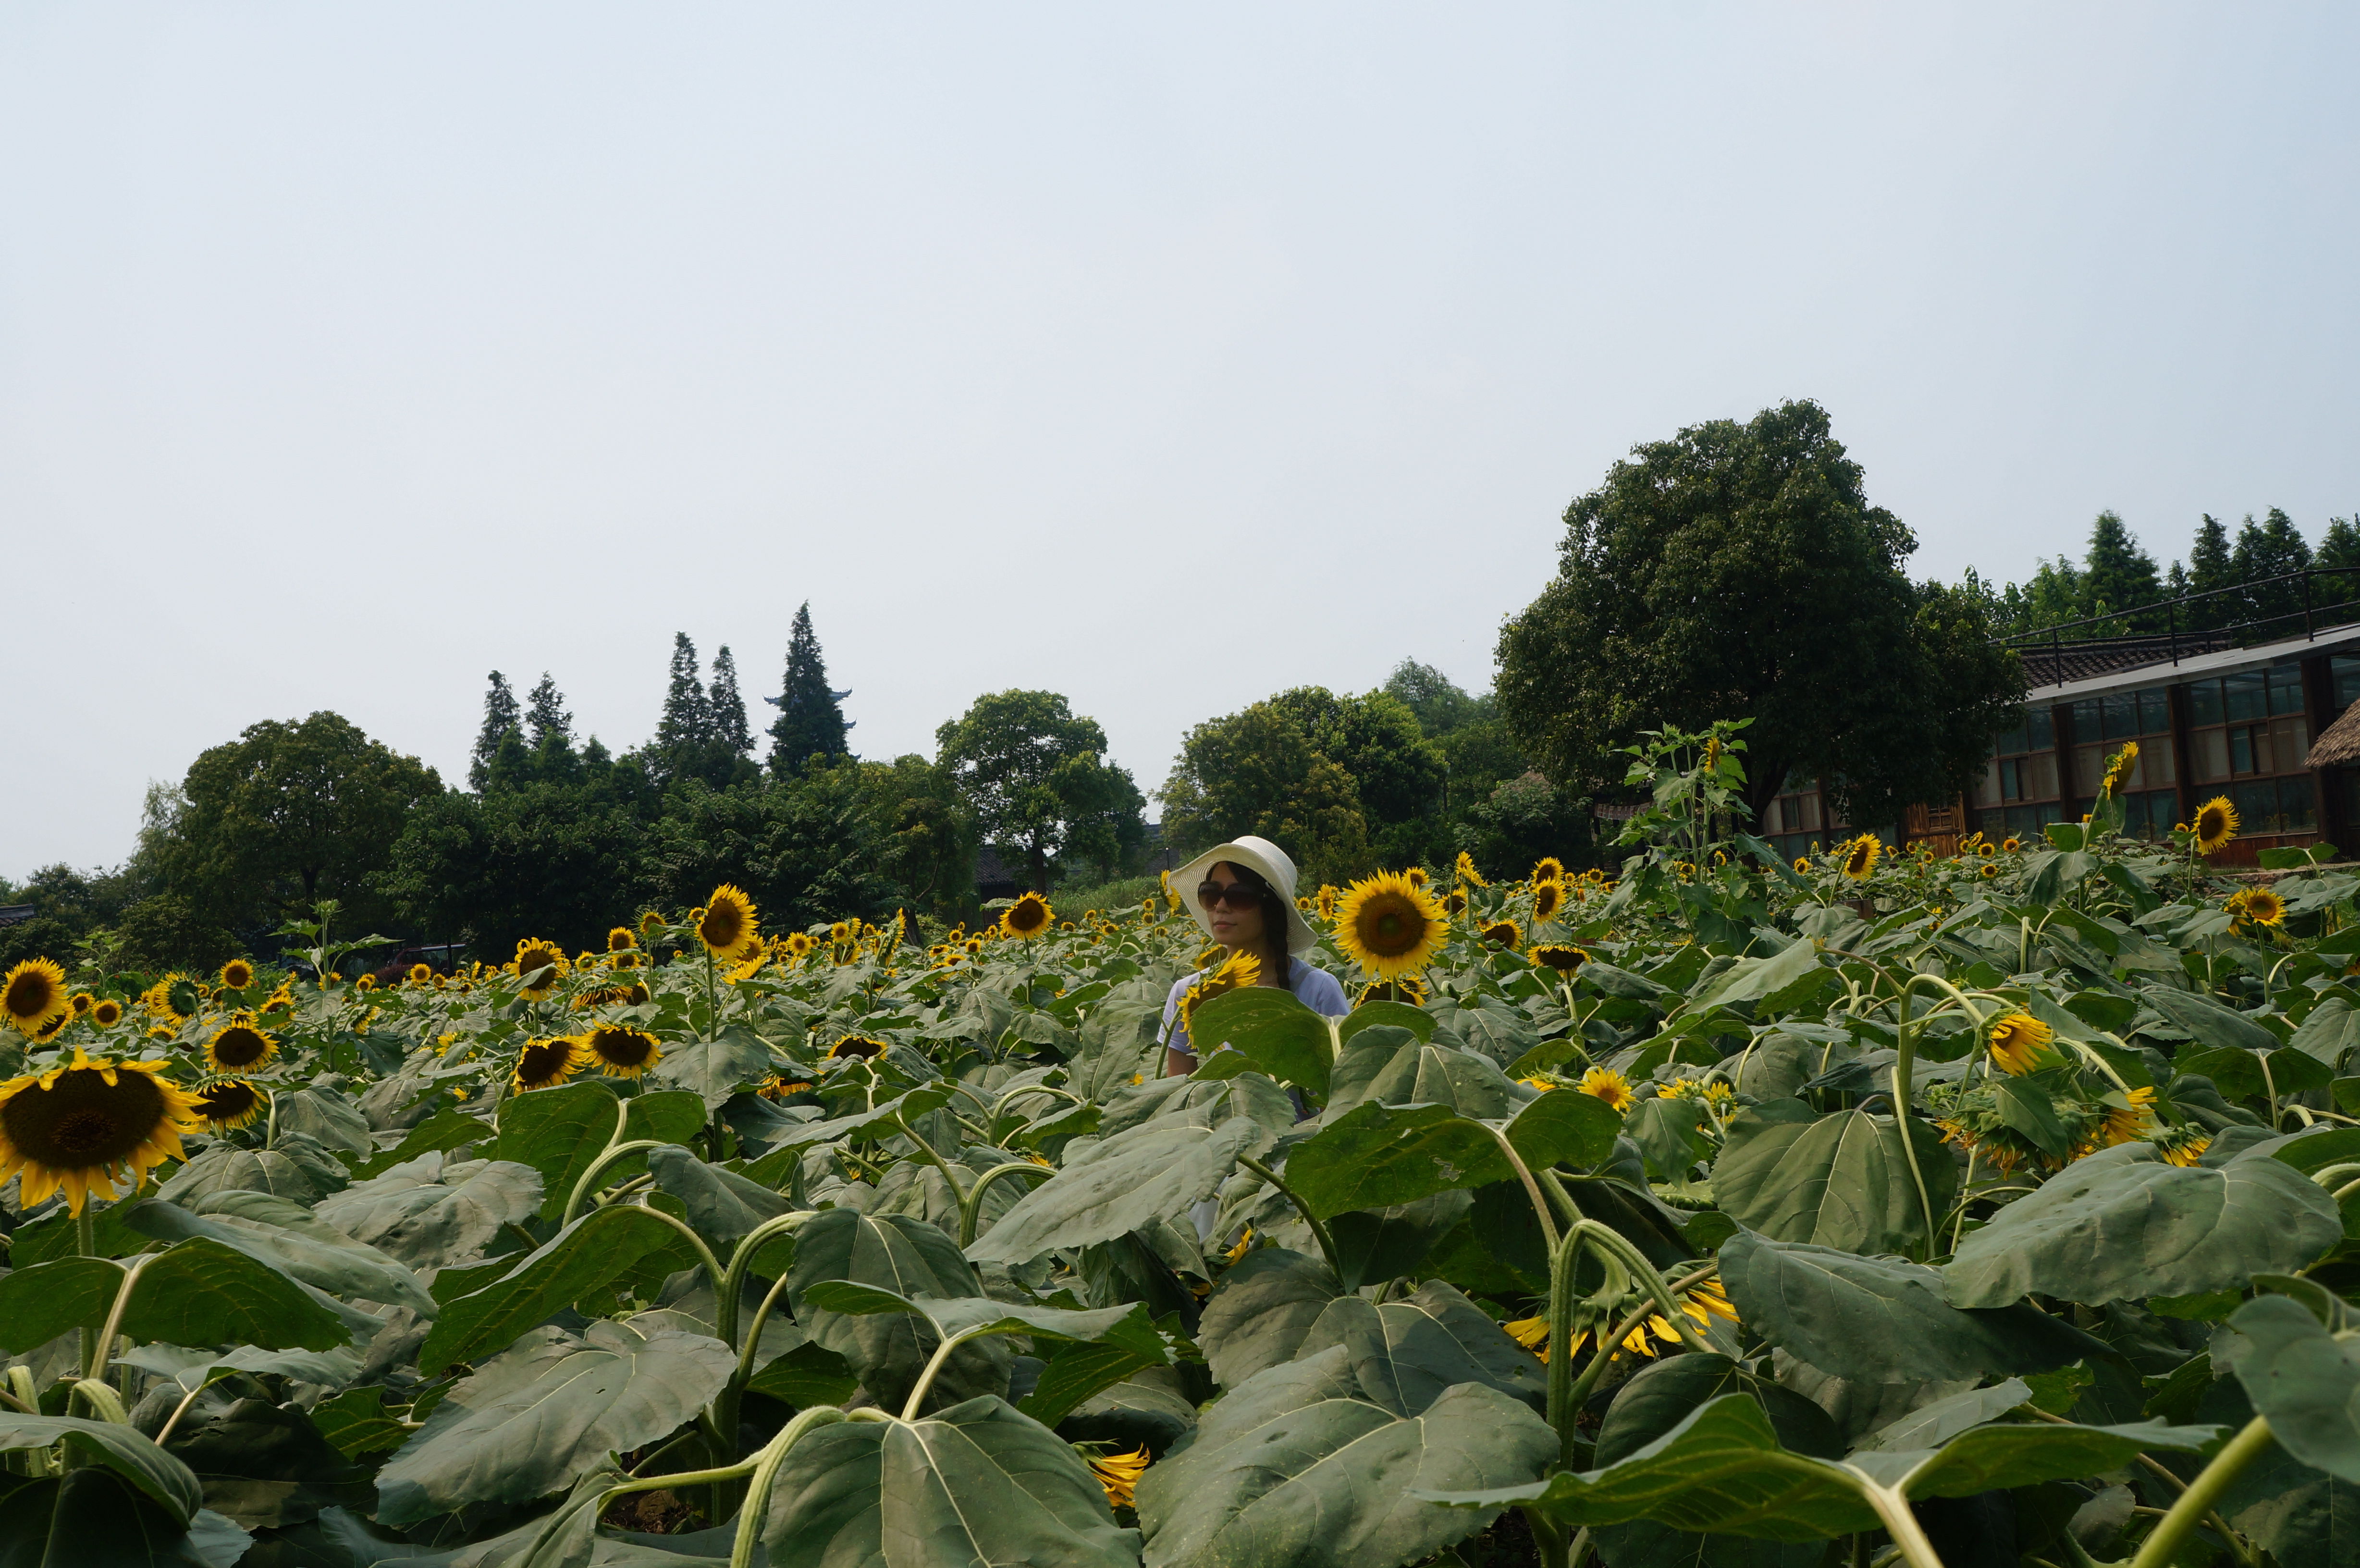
2220,629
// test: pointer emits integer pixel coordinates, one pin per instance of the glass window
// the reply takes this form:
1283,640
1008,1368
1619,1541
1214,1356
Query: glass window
2285,689
2208,755
2088,717
2157,765
2040,731
2155,711
2204,703
2241,750
2247,696
2089,765
2343,675
2122,720
1987,786
2290,745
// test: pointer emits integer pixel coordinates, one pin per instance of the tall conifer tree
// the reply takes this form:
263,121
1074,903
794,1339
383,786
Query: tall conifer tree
2210,567
501,720
686,723
2118,575
725,709
808,722
547,723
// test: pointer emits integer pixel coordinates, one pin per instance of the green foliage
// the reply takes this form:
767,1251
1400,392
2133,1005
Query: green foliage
1741,568
809,722
1034,775
892,1244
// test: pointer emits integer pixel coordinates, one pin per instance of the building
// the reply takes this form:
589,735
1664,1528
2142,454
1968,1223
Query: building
2230,711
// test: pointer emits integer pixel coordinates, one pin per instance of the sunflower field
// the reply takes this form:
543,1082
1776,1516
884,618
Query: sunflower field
1876,1208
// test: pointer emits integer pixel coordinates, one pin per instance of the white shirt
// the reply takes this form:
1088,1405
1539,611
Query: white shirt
1314,987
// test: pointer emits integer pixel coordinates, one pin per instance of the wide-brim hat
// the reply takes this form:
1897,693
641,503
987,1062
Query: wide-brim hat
1264,857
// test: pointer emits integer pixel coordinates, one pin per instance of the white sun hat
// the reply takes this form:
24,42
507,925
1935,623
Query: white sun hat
1261,855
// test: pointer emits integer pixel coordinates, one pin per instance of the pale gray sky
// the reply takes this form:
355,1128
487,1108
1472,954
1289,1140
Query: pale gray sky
1163,359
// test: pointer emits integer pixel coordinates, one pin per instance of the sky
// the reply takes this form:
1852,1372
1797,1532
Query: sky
1163,357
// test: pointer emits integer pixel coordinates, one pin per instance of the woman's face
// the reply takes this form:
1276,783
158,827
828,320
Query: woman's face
1232,927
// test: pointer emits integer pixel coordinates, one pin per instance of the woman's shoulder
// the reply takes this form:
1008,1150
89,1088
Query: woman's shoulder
1315,986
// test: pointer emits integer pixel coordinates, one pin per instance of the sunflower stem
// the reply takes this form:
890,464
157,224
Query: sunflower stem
958,1188
1319,1231
971,1210
2194,1506
1532,1187
87,1245
270,1124
607,1156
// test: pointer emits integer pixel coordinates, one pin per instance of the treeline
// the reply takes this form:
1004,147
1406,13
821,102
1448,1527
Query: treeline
2118,585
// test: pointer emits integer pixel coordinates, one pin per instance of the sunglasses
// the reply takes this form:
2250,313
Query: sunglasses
1236,895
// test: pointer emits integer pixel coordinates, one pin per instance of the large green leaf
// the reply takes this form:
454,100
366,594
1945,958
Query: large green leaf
1376,1155
2208,1020
434,1211
196,1291
1378,1245
721,1204
1262,1308
266,1466
226,1168
2304,1379
1881,1320
560,1132
1129,1181
978,1483
2123,1223
117,1448
1840,1181
286,1237
531,1419
909,1258
1118,1047
1306,1464
92,1518
1392,1067
714,1069
1565,1128
1723,1469
1406,1353
622,1244
326,1116
1263,1030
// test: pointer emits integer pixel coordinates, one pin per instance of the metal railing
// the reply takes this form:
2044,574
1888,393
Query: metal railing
2265,622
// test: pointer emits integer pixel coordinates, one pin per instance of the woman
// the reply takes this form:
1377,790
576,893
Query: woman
1242,894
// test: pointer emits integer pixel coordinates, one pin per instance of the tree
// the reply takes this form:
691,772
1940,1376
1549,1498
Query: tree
541,859
1440,704
290,813
809,724
2339,552
1521,819
2118,576
725,709
927,834
805,851
549,731
2210,569
1257,772
1739,570
1031,770
2272,548
164,932
501,720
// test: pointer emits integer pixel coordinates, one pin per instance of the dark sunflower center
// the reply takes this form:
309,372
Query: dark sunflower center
227,1102
1391,925
722,926
621,1049
30,994
82,1121
239,1047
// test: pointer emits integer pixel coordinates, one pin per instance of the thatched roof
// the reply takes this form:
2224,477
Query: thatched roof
2338,745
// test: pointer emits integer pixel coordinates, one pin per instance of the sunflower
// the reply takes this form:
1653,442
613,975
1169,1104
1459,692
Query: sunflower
1417,875
651,922
1987,871
619,1050
777,1088
1705,1303
2019,1043
1605,1084
621,940
629,960
230,1103
34,996
239,1047
82,1002
236,974
860,1045
106,1012
1454,903
543,1062
727,920
1119,1473
2256,906
1802,866
1464,870
54,1028
1547,868
2182,1144
2216,824
1502,933
83,1127
1405,988
421,973
1328,897
1390,925
975,947
1561,956
1304,903
1547,898
2011,843
1860,856
750,963
2128,1115
1028,916
540,965
1239,971
2119,769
